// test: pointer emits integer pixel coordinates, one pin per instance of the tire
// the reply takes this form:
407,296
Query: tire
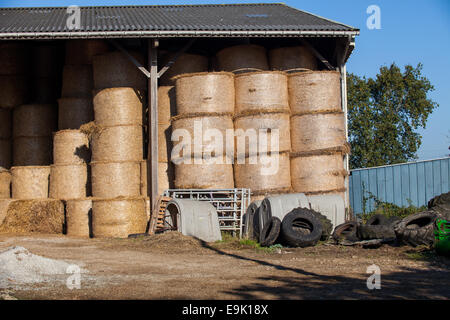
301,228
327,226
250,217
377,219
441,205
370,232
393,221
270,232
346,231
416,229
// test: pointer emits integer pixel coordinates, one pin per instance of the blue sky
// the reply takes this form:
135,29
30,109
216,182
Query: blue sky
412,31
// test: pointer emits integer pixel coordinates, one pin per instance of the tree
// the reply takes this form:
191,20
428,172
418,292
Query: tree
384,114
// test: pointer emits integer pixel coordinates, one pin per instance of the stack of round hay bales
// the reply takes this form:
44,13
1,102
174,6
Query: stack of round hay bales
262,112
33,125
30,182
5,138
205,103
69,174
292,59
247,57
317,132
75,105
185,63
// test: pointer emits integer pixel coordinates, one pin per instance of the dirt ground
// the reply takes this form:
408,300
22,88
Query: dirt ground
171,266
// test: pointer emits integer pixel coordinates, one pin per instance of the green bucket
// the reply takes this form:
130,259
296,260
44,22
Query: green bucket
442,237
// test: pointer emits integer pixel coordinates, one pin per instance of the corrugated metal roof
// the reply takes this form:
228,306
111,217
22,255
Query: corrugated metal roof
169,21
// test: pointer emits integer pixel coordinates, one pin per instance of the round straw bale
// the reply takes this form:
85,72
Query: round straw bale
287,58
185,63
70,147
204,125
166,103
45,90
14,91
68,181
77,81
5,153
164,142
114,69
205,175
260,124
314,91
30,120
118,143
205,92
5,123
118,218
32,151
13,58
79,217
74,112
241,57
144,178
148,207
118,106
317,131
45,61
116,179
261,91
30,182
317,173
5,184
82,51
261,173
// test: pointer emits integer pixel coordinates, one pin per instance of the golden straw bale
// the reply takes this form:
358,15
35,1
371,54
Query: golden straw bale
114,69
314,91
116,179
68,181
4,205
83,51
118,218
263,173
317,131
70,147
288,58
5,123
15,91
166,103
117,143
5,153
145,191
242,57
34,216
261,91
5,184
185,63
79,217
30,120
77,81
166,177
118,106
74,112
32,151
207,92
30,182
14,58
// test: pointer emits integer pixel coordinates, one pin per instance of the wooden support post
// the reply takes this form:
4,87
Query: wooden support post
152,162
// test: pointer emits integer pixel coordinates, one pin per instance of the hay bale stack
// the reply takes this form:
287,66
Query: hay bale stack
32,151
30,182
217,174
314,92
292,58
5,184
34,216
34,120
114,69
166,104
79,52
116,179
117,143
117,218
211,92
68,181
263,176
74,112
70,147
79,217
166,177
185,63
77,81
240,57
15,90
118,106
14,57
261,91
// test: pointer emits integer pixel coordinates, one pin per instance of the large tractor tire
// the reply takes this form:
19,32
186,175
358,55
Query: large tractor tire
416,229
346,231
301,228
